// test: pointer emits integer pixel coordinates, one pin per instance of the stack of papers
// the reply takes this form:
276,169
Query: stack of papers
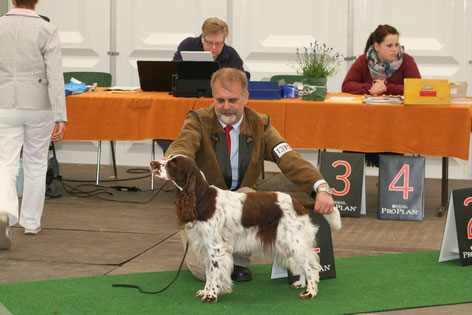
383,99
461,101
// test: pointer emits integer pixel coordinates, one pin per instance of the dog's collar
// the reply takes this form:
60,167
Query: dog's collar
180,188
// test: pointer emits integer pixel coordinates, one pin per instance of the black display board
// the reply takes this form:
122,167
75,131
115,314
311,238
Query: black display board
401,188
345,174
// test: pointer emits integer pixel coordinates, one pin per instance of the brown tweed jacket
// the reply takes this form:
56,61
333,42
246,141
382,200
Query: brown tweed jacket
203,139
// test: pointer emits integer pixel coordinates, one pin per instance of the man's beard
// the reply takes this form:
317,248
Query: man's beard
229,120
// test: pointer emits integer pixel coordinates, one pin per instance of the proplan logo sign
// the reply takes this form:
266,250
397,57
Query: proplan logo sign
401,188
400,209
323,267
458,228
469,225
345,174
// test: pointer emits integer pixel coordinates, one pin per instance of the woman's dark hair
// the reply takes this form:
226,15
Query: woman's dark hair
379,34
28,4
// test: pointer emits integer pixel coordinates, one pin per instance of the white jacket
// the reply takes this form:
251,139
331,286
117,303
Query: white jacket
31,64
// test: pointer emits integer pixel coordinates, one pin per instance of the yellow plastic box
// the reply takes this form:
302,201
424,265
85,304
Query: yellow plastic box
427,92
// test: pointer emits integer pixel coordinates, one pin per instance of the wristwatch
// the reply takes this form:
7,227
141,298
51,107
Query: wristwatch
325,189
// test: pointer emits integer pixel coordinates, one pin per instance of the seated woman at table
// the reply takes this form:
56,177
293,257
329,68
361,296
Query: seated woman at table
382,67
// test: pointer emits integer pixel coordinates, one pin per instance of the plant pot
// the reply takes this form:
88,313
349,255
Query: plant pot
314,89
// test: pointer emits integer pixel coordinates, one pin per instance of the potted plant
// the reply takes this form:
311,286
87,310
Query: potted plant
315,64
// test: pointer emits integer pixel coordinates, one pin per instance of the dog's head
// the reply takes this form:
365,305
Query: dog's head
183,172
178,168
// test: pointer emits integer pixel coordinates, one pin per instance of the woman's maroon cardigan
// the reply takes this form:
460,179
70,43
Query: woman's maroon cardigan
358,80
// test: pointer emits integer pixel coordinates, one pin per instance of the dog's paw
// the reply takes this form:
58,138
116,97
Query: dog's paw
200,293
298,284
308,295
210,298
334,219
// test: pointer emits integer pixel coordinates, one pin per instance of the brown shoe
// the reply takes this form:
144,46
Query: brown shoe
5,237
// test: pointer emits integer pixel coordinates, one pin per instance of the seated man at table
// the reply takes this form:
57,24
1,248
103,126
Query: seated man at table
214,33
205,137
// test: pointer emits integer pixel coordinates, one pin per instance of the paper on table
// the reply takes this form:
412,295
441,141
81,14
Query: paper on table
344,99
122,88
461,101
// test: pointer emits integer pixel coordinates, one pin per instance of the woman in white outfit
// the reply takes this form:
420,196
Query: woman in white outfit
32,112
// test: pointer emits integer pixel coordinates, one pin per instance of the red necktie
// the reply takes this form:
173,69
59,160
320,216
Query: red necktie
228,138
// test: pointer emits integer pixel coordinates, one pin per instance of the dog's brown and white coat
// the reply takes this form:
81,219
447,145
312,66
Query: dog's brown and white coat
219,222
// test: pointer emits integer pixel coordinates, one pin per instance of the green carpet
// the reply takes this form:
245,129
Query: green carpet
363,284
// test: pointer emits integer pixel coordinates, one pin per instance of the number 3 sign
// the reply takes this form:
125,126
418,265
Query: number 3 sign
401,188
345,173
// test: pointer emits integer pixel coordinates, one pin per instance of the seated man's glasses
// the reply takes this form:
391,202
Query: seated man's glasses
211,44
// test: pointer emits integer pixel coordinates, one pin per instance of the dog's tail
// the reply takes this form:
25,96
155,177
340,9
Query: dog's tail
334,218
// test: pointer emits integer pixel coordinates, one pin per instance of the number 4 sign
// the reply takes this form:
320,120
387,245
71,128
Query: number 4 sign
401,188
457,238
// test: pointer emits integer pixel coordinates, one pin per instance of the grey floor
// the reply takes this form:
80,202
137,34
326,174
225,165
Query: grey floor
120,232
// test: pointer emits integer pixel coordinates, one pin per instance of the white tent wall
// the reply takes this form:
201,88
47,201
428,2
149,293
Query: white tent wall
111,35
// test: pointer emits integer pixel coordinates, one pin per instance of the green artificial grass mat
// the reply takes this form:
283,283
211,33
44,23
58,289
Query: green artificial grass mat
363,284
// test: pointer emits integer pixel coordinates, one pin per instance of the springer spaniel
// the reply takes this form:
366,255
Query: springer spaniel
219,222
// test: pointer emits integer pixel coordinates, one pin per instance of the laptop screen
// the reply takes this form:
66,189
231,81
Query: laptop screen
196,55
196,70
156,75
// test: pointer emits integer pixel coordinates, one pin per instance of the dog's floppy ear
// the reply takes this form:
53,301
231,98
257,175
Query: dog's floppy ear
190,182
186,201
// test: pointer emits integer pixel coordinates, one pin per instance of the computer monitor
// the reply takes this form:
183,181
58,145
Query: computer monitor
156,75
196,55
193,78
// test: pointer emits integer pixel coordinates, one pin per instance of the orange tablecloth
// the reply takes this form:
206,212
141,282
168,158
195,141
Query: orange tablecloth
142,115
125,116
426,130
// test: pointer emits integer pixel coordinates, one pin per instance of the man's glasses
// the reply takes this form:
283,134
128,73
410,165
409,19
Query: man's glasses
211,44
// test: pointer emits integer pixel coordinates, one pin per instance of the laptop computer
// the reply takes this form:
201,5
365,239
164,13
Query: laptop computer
196,55
156,75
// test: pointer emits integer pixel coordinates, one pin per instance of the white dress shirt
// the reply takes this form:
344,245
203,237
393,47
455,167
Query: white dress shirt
234,158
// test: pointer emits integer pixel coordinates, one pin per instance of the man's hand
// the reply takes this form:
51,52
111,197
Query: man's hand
324,203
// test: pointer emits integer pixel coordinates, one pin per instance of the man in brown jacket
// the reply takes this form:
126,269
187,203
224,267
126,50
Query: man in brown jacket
229,142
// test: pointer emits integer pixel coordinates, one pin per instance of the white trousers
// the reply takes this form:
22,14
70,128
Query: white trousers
31,129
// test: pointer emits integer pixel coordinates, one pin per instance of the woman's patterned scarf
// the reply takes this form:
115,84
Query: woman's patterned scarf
384,70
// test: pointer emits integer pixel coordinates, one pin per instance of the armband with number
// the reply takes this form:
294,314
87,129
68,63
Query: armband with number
280,149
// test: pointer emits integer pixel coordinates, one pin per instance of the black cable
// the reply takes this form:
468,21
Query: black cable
74,191
138,170
130,171
102,190
162,290
105,180
195,103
